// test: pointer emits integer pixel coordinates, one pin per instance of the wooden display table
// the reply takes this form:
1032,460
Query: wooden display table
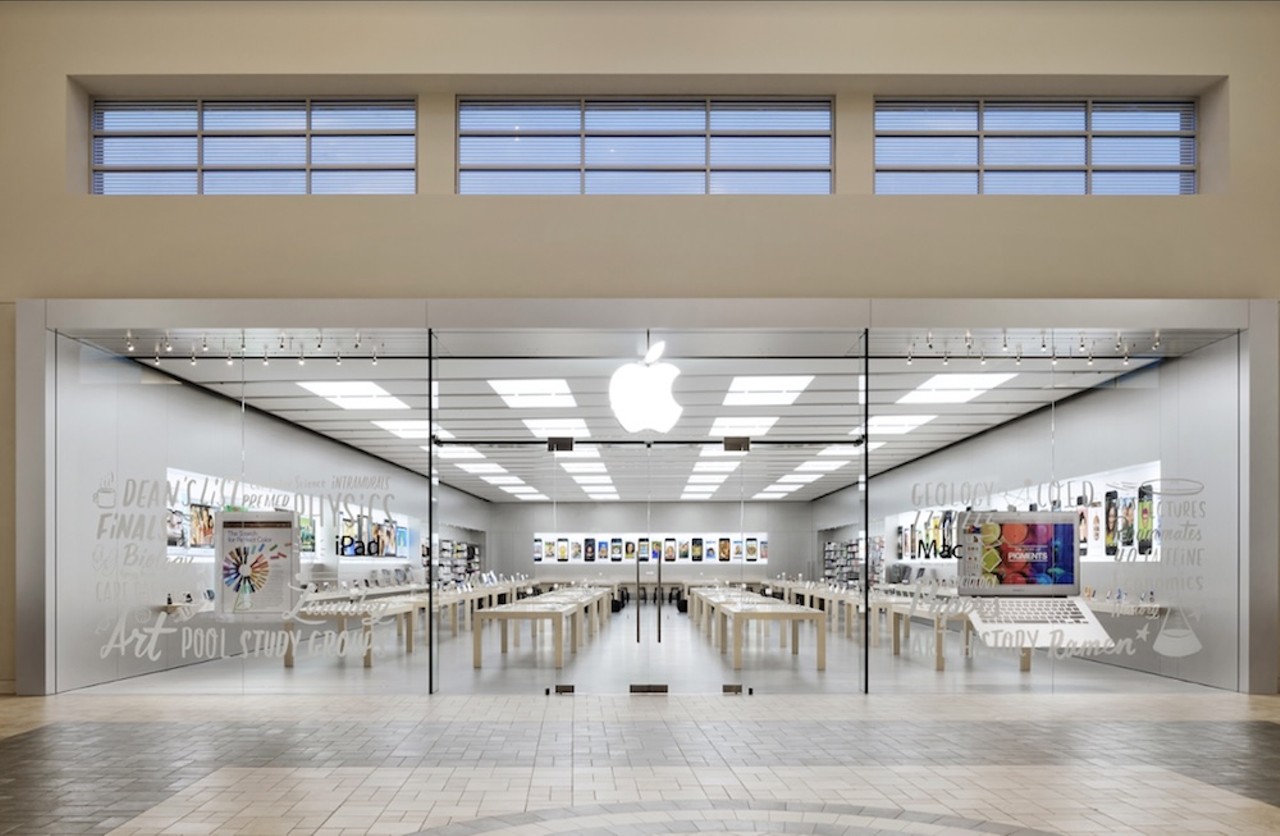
369,612
742,607
580,606
940,613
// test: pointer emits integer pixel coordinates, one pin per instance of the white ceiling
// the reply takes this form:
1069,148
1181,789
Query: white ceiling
827,413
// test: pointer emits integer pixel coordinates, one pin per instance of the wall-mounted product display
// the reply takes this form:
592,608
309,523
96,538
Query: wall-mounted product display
667,547
840,561
258,563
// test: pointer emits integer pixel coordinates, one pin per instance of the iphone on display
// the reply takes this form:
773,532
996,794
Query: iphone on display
615,550
1113,510
668,549
753,549
724,549
695,550
589,551
537,549
1146,519
1126,521
576,552
562,549
642,550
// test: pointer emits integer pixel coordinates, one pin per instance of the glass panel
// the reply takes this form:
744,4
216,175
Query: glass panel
770,152
1006,493
142,183
926,182
1151,150
368,115
524,150
1033,116
1041,151
1140,116
144,151
145,116
924,116
502,117
926,150
519,182
770,116
1033,182
646,117
770,182
255,116
369,150
363,182
255,182
646,182
646,151
1144,182
257,150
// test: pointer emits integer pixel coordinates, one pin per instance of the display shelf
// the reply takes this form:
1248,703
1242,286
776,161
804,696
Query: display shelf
840,562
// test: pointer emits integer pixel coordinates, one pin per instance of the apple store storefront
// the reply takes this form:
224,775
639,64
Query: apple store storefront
613,496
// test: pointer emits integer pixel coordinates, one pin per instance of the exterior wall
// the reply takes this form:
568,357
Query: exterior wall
57,241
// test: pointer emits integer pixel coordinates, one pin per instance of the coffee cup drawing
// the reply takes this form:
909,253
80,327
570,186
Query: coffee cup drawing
105,496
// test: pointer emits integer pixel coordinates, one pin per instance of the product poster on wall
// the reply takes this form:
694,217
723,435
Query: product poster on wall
257,562
674,547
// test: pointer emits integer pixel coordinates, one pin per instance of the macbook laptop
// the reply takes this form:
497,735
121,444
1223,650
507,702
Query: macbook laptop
1021,575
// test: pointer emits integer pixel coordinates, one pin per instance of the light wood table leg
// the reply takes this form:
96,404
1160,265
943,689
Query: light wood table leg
894,619
291,638
939,631
453,608
968,638
782,635
557,635
476,636
399,625
575,630
1024,662
822,648
409,627
724,624
737,642
504,629
795,637
366,633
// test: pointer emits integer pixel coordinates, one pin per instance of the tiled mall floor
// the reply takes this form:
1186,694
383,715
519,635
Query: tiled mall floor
333,748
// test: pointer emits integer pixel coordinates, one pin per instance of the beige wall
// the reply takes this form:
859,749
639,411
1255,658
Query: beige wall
57,241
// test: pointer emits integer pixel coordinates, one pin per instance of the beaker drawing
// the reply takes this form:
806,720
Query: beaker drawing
1176,638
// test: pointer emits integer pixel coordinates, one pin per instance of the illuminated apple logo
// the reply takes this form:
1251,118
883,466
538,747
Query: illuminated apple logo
640,394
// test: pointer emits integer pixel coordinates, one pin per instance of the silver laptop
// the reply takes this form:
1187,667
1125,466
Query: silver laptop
1020,573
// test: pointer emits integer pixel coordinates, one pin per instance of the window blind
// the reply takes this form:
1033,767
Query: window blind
998,146
296,146
644,146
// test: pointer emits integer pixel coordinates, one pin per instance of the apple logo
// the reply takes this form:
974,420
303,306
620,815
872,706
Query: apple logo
640,394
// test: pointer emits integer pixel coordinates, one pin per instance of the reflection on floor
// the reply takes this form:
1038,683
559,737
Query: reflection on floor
685,660
332,765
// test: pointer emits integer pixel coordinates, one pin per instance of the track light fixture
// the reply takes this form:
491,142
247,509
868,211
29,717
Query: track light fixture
983,360
266,361
1054,360
204,343
909,351
1126,355
945,359
929,340
968,338
302,358
1118,343
1155,346
242,342
282,341
128,341
357,341
337,358
1017,361
229,361
1082,342
1044,346
157,360
193,357
319,341
375,355
1004,340
168,346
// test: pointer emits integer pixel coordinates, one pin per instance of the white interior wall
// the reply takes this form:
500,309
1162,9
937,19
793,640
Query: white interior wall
792,541
1182,413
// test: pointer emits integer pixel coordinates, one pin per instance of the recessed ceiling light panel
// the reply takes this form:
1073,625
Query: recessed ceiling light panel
579,451
954,388
800,478
590,479
715,467
748,426
822,466
718,451
766,391
354,394
413,429
449,451
482,467
707,478
583,467
895,424
557,427
534,394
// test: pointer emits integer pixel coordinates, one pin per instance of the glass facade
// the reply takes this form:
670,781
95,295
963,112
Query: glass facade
932,509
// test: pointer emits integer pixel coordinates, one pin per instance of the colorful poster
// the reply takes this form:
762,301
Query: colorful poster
257,563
